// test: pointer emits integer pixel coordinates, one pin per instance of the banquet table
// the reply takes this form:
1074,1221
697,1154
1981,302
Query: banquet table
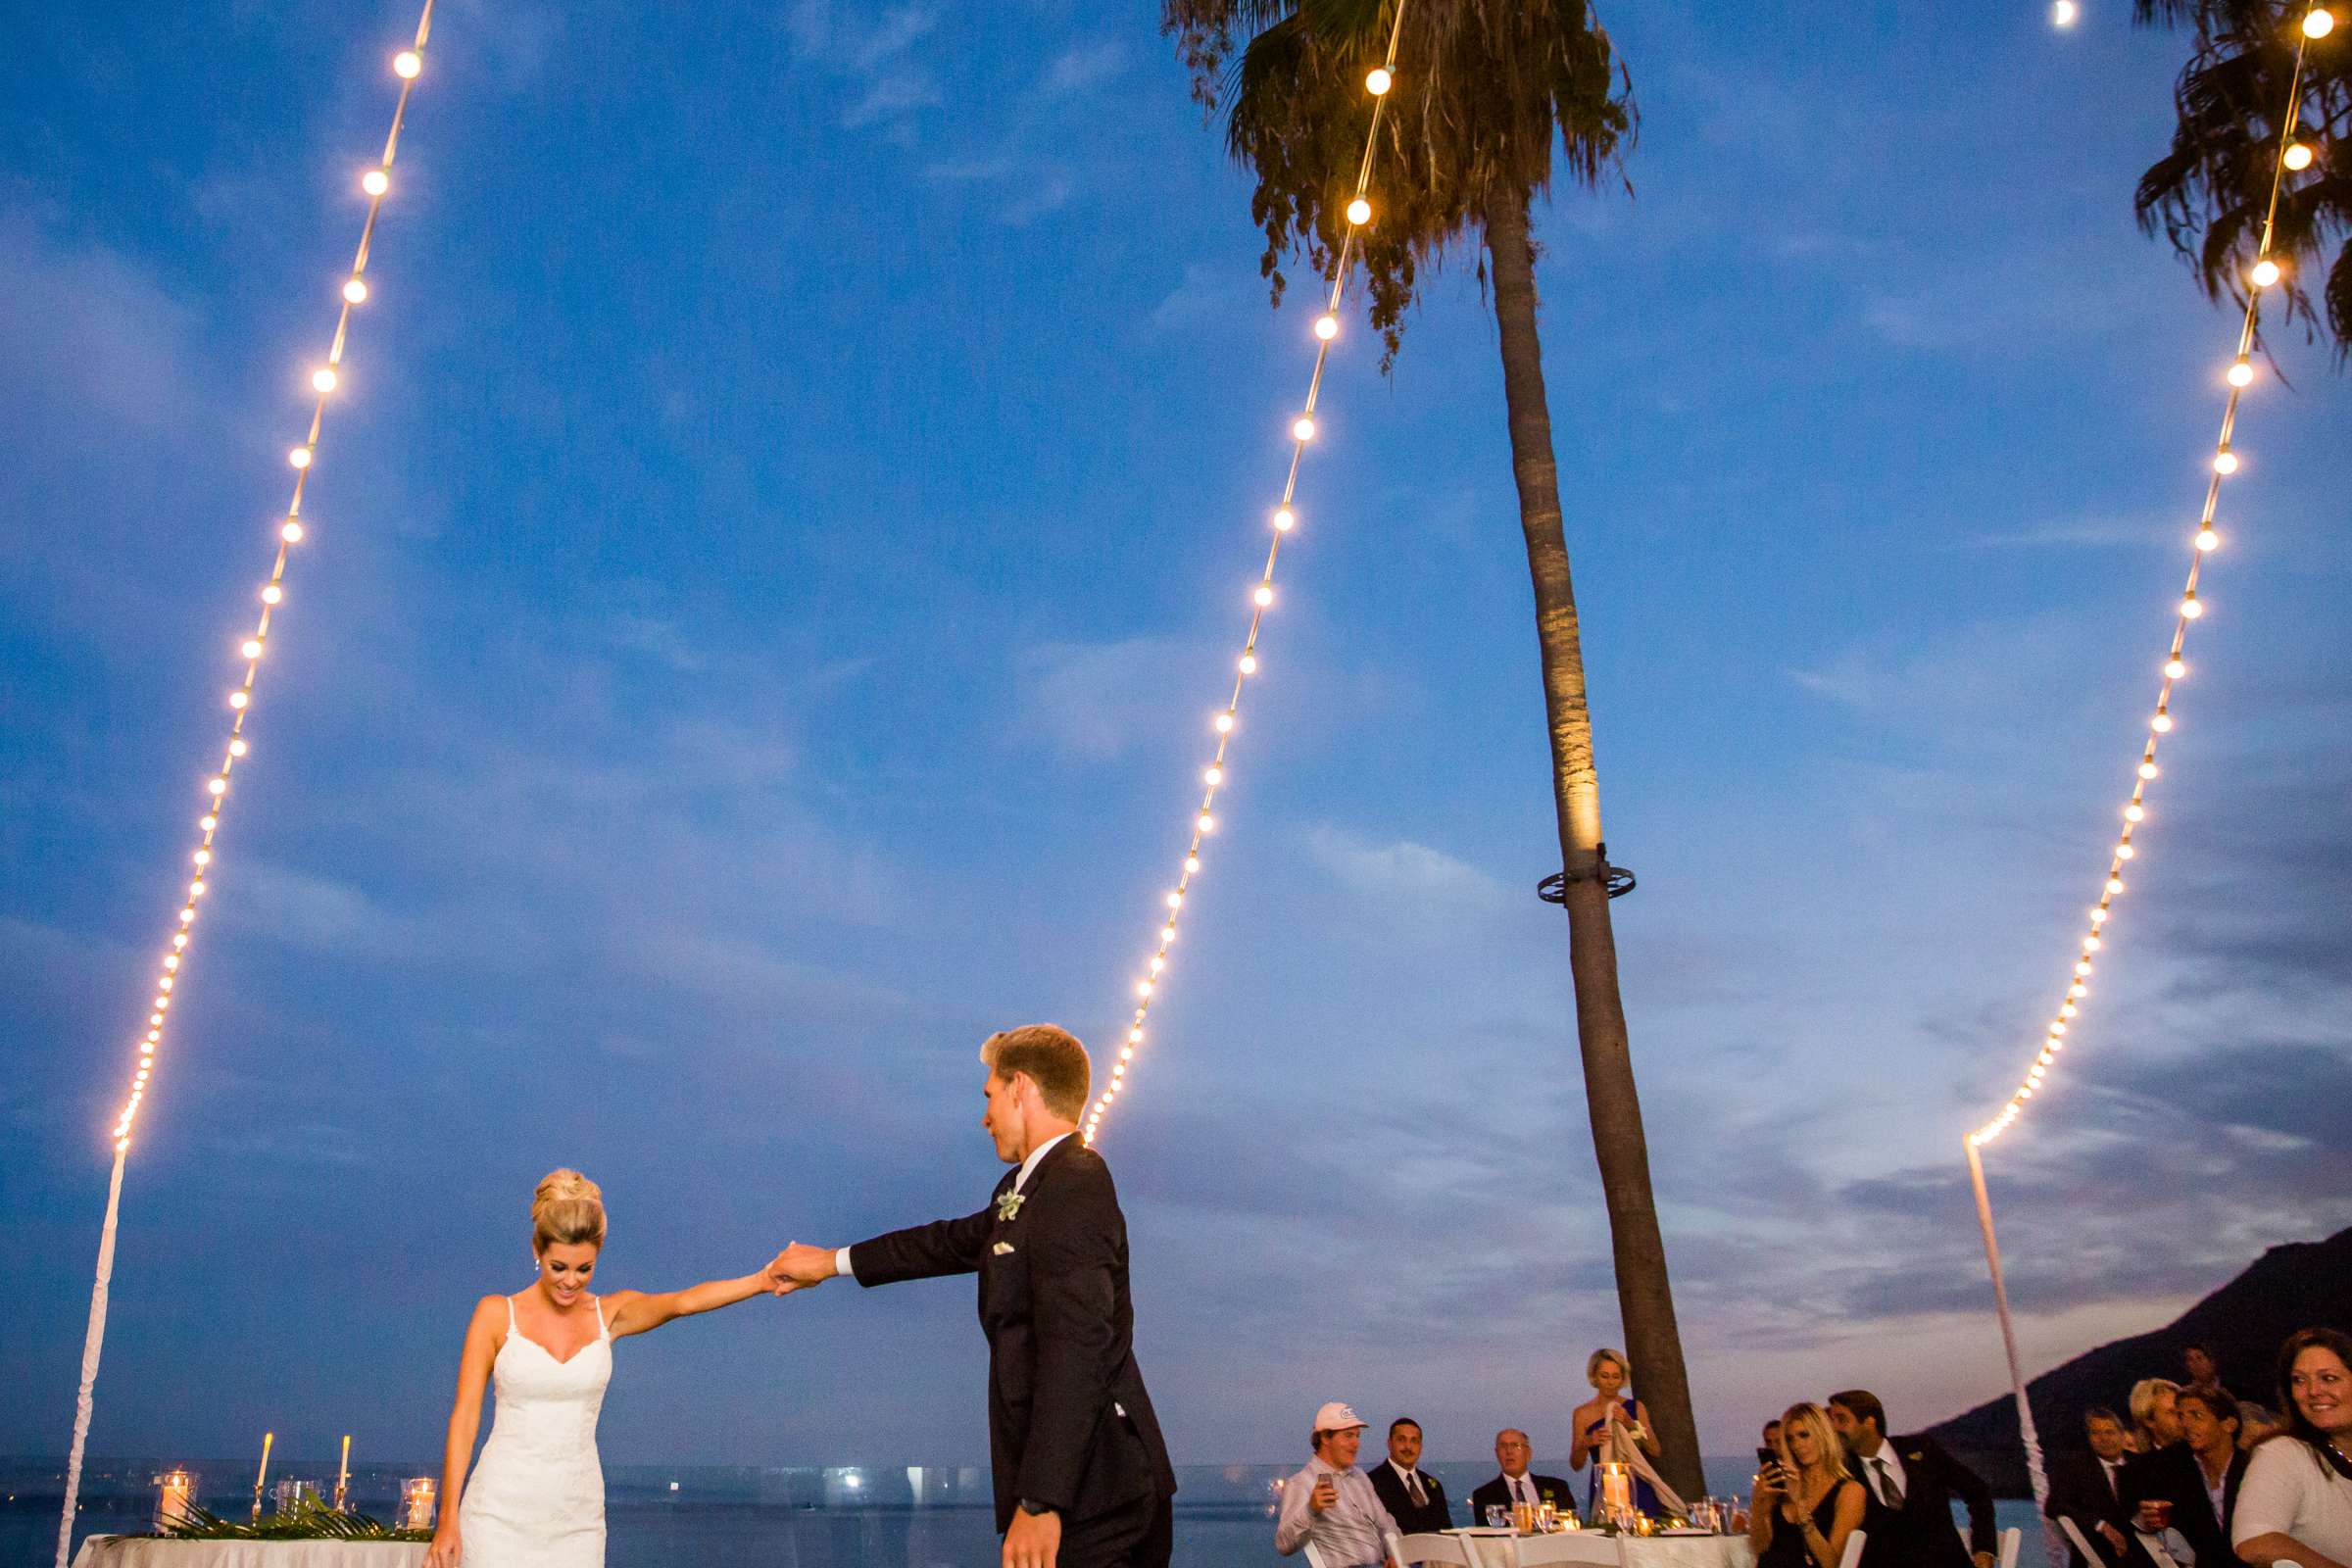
141,1551
1638,1552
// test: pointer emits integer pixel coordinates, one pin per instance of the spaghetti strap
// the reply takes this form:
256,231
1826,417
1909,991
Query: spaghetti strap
602,1332
510,1315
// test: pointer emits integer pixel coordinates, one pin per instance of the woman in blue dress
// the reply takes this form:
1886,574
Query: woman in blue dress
1608,1420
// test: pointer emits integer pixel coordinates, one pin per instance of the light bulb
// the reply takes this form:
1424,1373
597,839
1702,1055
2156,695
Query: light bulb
2135,813
2126,851
1212,778
356,292
300,457
2090,944
218,786
2065,13
1285,519
2265,273
291,533
2078,990
1143,988
251,648
1207,823
375,182
2175,669
2115,885
1192,865
323,378
272,594
165,983
1159,963
1167,934
2208,541
1327,327
2297,154
2082,968
2225,462
238,699
2320,23
1359,211
2162,723
2191,607
1249,663
1134,1037
1302,428
2241,373
1378,80
1264,595
2069,1010
2148,770
406,64
2099,915
237,747
1224,723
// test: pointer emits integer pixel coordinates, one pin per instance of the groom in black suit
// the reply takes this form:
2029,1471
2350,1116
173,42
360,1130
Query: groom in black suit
1082,1477
1909,1485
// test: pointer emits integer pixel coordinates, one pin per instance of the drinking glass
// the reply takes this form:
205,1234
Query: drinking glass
1498,1515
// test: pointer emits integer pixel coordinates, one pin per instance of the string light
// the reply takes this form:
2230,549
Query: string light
325,377
2267,271
2065,13
1377,85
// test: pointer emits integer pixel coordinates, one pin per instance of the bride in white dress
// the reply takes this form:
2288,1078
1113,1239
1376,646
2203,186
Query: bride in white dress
537,1497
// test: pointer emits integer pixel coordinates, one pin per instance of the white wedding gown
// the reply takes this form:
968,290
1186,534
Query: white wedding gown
537,1496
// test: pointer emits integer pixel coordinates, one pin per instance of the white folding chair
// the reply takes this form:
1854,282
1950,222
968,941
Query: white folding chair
1853,1554
1588,1548
2010,1537
1430,1547
2074,1533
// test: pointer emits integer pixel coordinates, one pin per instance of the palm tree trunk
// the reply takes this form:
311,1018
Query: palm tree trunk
1644,1296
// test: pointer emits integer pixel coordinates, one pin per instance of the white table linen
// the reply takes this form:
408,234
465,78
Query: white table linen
134,1552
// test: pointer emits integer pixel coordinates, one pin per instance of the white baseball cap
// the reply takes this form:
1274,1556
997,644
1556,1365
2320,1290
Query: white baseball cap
1336,1417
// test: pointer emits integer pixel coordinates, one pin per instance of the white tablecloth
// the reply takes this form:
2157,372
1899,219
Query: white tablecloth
1689,1552
131,1551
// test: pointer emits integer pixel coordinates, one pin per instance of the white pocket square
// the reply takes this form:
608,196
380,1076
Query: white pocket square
1003,1249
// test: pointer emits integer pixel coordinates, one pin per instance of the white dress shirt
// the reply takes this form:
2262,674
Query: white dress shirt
841,1256
1352,1533
1894,1471
1411,1479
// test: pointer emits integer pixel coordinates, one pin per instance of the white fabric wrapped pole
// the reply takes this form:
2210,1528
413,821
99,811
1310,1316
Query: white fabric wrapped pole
91,1345
2034,1475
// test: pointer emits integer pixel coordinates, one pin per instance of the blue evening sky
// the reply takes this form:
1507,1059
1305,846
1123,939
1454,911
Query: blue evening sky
773,567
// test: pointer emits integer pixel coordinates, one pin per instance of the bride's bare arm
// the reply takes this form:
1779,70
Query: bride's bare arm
465,1421
637,1312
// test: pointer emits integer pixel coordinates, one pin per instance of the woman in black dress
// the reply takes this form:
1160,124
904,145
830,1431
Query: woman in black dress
1805,1505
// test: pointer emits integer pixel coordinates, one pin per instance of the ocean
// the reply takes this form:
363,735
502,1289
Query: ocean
838,1516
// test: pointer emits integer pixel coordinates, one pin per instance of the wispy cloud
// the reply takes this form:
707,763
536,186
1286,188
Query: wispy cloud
1097,700
1082,67
1403,875
876,59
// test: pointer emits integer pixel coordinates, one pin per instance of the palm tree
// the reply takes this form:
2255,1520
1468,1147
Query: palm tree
2208,193
1488,91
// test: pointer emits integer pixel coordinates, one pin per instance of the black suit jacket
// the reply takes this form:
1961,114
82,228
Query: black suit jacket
1436,1514
1549,1489
1919,1534
2174,1475
2079,1491
1060,1336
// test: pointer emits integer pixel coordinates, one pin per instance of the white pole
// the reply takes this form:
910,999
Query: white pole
2034,1475
91,1345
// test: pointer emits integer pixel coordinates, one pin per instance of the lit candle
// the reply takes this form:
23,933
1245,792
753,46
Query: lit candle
418,1498
343,1475
1616,1489
179,1488
263,1474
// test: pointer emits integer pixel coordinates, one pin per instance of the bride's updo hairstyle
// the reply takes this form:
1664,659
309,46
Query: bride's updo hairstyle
568,1210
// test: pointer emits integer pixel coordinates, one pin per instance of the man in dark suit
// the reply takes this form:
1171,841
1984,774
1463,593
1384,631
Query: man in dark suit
2088,1489
1414,1498
1911,1482
2199,1475
1082,1475
1513,1453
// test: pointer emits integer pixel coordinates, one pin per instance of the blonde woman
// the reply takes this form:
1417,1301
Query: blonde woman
1805,1503
537,1497
1608,1419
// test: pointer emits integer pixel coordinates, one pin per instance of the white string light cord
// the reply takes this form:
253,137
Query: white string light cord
376,183
1377,82
2294,155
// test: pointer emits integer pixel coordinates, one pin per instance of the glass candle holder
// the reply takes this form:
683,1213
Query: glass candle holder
174,1497
416,1504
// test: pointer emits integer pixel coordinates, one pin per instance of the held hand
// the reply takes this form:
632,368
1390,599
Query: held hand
2115,1537
444,1550
1325,1496
1033,1540
801,1265
1984,1559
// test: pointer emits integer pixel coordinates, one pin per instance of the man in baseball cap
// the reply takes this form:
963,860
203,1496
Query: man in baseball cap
1331,1502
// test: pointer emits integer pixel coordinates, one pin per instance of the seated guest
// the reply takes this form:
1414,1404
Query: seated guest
2198,1477
2153,1414
1805,1503
1331,1502
2255,1422
2087,1488
2295,1503
1912,1482
1611,1428
1414,1498
1514,1486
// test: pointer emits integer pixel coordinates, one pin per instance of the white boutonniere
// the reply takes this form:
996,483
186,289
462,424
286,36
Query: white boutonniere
1009,1204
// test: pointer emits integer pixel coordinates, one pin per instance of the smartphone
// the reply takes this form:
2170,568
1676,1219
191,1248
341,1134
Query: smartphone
1765,1458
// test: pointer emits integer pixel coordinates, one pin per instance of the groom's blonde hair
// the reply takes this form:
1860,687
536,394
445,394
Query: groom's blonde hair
1053,1058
